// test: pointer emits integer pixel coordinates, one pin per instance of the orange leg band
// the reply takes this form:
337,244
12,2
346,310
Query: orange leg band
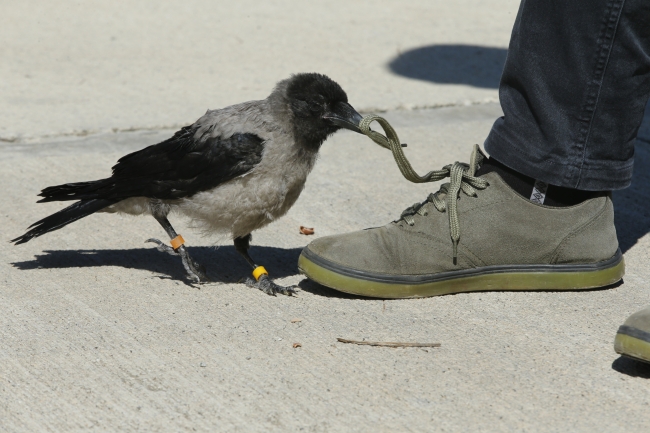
177,242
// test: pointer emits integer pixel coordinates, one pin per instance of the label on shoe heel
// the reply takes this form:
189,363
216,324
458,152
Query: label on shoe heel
539,192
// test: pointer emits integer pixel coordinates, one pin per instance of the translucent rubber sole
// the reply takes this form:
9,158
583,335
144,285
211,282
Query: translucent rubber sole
542,277
632,347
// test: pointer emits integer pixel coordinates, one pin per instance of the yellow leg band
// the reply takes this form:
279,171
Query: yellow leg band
258,272
177,242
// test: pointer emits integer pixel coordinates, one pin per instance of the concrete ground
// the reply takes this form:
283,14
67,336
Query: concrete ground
100,331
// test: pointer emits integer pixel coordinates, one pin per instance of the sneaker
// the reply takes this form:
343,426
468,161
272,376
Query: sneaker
633,337
475,234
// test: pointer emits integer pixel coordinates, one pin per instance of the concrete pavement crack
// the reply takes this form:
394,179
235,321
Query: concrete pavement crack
19,139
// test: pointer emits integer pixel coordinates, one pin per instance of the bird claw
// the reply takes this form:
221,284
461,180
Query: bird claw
196,272
267,285
162,247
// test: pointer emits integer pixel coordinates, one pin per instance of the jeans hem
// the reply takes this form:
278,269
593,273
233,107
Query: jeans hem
591,175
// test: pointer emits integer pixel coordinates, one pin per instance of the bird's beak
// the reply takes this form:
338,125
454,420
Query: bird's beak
343,115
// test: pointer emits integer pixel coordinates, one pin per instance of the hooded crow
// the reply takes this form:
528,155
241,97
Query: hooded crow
233,171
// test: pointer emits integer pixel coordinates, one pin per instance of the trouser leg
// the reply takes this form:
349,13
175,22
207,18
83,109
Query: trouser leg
573,92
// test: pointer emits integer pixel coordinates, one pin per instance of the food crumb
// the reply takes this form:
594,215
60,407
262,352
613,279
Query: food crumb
306,230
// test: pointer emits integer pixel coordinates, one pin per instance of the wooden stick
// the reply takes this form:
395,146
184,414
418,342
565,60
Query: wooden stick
388,344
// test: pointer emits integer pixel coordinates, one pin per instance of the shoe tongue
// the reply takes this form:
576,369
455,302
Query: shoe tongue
476,160
522,184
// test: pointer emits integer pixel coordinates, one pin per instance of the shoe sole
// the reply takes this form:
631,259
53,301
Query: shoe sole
488,278
633,343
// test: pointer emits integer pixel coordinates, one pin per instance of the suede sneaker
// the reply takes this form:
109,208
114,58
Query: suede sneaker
633,337
475,234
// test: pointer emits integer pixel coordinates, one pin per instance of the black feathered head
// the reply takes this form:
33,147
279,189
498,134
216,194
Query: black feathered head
319,107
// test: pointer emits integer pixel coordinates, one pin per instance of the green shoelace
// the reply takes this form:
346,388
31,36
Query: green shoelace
461,178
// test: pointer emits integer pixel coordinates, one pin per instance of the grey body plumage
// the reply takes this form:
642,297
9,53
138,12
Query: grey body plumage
233,171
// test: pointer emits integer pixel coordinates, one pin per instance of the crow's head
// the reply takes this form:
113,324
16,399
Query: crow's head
319,107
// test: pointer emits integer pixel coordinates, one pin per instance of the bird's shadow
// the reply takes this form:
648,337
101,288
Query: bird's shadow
223,263
631,367
472,65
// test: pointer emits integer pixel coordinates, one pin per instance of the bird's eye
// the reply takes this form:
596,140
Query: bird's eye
315,105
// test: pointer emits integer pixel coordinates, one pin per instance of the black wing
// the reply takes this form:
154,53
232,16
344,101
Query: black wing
178,167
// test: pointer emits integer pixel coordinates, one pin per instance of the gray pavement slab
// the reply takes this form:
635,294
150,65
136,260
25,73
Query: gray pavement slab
100,331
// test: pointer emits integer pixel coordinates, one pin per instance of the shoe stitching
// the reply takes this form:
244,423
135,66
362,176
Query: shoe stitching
462,257
472,258
564,242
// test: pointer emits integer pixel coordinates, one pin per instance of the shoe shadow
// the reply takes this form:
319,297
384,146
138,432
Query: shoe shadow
631,367
632,205
471,65
223,263
314,288
317,289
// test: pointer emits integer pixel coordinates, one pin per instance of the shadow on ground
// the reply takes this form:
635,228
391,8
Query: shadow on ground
632,205
314,288
223,264
632,367
471,65
317,289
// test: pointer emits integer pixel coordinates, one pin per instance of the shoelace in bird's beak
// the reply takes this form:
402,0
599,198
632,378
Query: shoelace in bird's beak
446,199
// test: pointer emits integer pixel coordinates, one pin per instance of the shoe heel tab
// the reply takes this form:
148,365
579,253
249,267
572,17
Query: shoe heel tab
593,241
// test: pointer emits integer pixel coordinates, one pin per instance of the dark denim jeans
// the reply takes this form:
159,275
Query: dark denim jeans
573,91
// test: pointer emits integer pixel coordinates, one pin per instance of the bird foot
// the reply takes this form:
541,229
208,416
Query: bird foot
162,247
267,285
195,271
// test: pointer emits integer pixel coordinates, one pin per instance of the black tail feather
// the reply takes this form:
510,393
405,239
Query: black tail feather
72,191
62,218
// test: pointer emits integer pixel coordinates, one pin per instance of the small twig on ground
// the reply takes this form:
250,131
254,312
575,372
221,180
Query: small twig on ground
388,344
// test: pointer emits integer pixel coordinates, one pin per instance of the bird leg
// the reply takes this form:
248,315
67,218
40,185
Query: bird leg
263,283
195,271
